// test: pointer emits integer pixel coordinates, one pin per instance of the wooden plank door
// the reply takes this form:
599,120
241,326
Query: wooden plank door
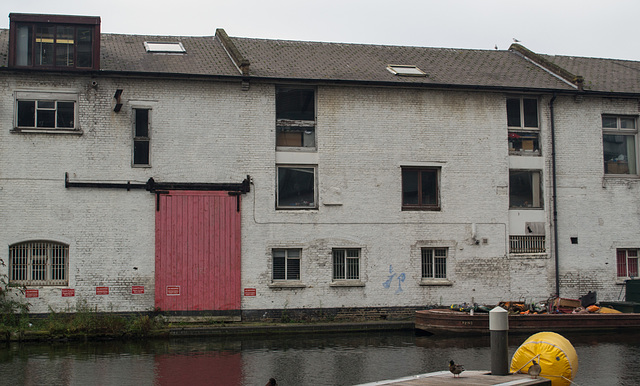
197,251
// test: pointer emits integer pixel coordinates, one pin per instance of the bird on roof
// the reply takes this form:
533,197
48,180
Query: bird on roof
455,369
516,40
534,369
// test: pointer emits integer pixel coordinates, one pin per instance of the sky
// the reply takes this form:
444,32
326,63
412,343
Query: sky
591,28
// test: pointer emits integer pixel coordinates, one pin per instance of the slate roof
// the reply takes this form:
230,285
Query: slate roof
283,60
367,63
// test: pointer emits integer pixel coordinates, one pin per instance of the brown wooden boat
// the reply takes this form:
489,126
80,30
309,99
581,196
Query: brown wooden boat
447,321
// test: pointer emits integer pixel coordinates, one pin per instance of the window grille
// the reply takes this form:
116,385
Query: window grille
434,263
346,264
39,263
527,244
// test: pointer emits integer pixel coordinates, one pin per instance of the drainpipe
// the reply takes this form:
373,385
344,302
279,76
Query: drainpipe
554,194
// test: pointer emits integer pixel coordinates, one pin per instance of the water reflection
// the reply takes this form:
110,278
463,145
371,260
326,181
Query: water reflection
328,359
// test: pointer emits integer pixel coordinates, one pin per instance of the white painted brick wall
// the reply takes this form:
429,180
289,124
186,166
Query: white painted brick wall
215,132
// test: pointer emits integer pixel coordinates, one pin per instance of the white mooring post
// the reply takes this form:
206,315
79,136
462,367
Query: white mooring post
499,329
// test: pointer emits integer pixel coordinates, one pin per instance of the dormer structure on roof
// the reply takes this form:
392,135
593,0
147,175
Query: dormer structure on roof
56,42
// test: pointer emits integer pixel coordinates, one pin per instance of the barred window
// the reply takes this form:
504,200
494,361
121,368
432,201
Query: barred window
434,263
346,264
39,263
627,262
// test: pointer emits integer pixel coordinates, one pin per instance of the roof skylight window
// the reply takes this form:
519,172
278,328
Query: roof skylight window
165,47
405,70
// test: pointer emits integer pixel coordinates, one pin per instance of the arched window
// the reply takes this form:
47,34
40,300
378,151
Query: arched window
39,263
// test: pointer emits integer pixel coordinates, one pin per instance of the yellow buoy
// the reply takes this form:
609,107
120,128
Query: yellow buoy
553,352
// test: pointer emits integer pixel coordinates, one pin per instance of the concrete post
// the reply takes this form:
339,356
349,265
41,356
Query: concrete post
499,329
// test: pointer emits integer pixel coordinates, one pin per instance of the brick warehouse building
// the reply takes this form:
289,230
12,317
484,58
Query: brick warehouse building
245,177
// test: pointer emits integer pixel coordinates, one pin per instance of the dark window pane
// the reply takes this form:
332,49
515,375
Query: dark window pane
530,107
84,45
610,122
65,42
279,264
65,114
293,269
410,187
293,103
429,185
141,152
525,189
513,112
339,264
44,45
296,187
46,118
26,113
142,123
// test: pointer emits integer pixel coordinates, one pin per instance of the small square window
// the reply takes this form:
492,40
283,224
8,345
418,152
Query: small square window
296,187
522,112
420,188
286,264
434,263
346,264
525,189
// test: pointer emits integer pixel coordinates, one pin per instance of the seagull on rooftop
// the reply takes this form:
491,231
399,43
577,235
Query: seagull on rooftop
516,40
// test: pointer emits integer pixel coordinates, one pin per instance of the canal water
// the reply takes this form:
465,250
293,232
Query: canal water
294,360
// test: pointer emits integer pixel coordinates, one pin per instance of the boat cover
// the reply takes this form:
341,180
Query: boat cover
555,353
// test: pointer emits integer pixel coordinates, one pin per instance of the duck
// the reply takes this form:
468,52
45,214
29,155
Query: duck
534,369
455,369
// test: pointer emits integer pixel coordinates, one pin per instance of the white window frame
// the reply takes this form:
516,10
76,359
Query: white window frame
25,261
527,135
348,257
290,254
46,96
626,262
165,47
619,166
436,262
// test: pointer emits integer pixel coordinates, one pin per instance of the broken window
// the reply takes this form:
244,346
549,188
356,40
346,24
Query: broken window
522,120
45,111
286,264
619,144
296,187
70,42
627,262
295,117
525,189
39,263
434,263
420,188
346,264
141,137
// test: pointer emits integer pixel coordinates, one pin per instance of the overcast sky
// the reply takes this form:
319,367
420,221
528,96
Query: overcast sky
594,28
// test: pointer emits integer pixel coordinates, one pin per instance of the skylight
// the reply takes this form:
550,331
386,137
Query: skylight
405,70
166,47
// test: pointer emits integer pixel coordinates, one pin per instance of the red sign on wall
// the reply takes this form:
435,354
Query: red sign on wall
137,289
250,292
173,290
31,293
102,290
68,292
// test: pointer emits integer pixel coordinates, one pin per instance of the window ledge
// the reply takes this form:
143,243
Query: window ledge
347,283
285,284
46,131
528,256
623,176
432,282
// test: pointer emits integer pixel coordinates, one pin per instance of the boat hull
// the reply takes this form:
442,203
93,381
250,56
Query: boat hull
442,321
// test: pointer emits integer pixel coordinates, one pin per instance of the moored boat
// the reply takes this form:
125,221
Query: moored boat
447,321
